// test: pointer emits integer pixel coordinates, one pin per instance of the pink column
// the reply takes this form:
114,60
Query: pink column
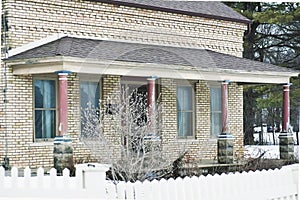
62,102
286,108
151,102
224,104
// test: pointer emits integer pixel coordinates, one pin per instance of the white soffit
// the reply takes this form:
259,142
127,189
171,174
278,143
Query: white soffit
50,65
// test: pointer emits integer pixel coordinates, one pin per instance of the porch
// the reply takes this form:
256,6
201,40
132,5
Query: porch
202,74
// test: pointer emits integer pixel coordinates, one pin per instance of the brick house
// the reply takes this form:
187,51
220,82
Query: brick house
189,52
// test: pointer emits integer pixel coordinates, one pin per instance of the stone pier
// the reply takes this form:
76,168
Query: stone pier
225,148
63,153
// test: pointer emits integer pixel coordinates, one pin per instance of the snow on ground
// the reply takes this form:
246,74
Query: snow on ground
272,151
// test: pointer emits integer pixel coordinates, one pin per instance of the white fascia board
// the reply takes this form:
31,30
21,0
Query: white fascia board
35,44
82,66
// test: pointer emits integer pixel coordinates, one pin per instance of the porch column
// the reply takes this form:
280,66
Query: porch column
63,150
151,103
286,142
62,102
225,139
224,106
286,108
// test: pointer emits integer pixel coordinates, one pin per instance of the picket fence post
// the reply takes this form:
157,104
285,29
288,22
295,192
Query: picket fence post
27,175
14,176
92,177
53,175
2,175
164,187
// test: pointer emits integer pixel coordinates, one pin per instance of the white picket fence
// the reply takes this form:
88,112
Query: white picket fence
90,183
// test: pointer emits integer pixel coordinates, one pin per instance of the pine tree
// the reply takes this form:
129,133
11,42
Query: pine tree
273,37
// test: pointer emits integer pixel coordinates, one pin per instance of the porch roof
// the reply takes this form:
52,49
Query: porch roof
95,56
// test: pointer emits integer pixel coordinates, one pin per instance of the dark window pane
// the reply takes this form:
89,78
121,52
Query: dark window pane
49,94
185,111
89,94
185,123
185,97
38,95
52,96
45,102
38,114
48,123
216,124
215,107
180,124
44,94
188,124
215,95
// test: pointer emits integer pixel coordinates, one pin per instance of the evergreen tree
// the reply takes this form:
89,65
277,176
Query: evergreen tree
273,37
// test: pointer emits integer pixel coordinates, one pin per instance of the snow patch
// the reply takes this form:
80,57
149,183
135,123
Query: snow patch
271,151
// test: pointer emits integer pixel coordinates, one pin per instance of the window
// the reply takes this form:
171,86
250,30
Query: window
135,100
89,104
89,94
185,111
44,108
215,111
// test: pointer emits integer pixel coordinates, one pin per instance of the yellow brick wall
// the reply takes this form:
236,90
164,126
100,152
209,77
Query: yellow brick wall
111,88
235,117
17,122
31,20
202,147
35,19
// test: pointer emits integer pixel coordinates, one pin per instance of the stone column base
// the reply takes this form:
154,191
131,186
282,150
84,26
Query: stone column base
225,148
63,153
286,146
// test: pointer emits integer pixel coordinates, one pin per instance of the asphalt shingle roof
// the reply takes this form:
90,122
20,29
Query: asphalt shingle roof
212,9
144,53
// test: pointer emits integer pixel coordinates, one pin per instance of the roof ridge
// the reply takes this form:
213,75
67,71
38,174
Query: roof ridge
58,36
132,42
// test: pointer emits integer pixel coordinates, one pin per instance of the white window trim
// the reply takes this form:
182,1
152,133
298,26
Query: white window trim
90,77
193,85
44,77
94,79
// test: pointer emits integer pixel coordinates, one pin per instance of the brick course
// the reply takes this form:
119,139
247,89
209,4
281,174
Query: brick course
32,20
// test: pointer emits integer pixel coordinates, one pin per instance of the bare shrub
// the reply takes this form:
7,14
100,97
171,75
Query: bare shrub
126,136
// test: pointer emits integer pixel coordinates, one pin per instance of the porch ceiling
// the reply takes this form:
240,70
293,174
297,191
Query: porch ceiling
93,56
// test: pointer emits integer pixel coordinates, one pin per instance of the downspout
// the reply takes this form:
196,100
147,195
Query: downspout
5,163
298,119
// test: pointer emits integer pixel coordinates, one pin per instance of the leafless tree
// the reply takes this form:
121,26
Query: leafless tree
126,136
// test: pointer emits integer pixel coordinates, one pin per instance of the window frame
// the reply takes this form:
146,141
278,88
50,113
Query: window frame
94,79
216,85
134,82
192,85
100,90
91,78
44,77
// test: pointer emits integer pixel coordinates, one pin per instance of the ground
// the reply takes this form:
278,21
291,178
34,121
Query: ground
272,151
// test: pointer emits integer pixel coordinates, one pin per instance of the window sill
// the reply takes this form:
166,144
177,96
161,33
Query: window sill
183,139
213,139
42,143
